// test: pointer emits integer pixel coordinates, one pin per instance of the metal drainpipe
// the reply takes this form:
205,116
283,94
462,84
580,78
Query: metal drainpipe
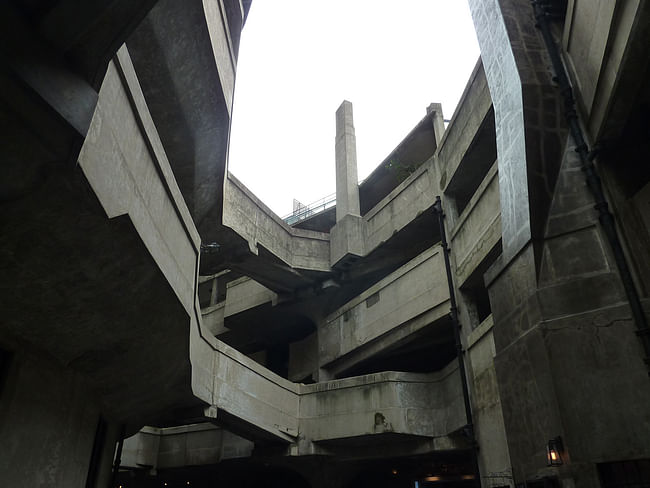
542,16
453,314
118,457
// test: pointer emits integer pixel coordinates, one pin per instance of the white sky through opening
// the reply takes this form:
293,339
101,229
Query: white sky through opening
299,59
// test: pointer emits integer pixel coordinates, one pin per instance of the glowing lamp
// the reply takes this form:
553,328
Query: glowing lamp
554,450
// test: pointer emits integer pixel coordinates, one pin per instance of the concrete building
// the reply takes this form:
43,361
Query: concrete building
147,295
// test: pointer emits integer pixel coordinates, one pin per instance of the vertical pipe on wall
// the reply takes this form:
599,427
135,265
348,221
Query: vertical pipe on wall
542,15
96,453
453,314
118,456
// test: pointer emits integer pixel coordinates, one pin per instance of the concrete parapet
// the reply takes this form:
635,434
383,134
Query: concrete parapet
186,445
427,405
400,207
389,403
251,219
402,296
245,293
478,228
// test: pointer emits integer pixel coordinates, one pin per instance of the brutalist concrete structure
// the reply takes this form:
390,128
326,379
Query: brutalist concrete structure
162,327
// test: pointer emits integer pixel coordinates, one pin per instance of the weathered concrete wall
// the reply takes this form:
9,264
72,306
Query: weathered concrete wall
241,294
529,132
255,222
389,403
605,53
240,387
403,295
303,357
186,68
186,445
594,354
494,458
223,378
48,420
478,228
213,318
585,39
225,55
568,341
472,109
128,178
414,195
399,403
245,293
123,170
229,381
506,93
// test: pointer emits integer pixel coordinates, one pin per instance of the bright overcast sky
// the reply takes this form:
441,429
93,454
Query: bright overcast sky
299,59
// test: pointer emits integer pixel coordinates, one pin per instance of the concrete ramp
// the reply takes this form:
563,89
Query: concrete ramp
260,405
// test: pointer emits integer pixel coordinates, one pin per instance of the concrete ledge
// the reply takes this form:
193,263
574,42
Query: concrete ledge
384,306
478,228
244,213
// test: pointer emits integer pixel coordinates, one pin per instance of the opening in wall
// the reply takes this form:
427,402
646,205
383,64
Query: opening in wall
426,350
474,292
477,301
625,474
627,177
277,359
96,454
475,165
5,358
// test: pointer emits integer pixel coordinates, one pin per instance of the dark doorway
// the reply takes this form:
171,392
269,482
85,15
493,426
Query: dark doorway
625,474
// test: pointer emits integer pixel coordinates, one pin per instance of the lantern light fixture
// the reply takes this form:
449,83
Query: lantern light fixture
554,450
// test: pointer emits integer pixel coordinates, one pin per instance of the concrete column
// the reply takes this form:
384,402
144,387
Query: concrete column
347,188
347,236
438,121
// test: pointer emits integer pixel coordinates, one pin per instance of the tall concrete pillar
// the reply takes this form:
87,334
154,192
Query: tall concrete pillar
347,236
347,188
554,284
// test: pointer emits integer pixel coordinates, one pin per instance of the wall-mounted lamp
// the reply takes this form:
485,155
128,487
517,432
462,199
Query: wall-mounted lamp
554,450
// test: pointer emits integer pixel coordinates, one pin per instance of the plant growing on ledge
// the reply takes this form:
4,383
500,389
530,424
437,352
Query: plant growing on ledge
400,170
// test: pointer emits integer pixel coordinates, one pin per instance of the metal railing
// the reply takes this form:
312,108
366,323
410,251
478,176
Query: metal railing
311,209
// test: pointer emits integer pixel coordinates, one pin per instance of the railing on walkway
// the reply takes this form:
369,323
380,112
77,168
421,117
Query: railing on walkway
303,212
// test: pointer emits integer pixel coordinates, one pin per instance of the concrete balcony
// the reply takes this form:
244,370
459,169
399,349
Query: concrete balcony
361,410
400,207
410,298
185,445
244,213
478,227
388,403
